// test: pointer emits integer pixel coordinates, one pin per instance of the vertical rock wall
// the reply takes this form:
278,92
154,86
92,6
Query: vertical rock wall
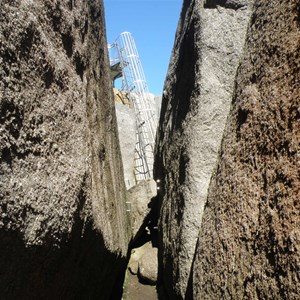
127,131
249,245
63,224
196,101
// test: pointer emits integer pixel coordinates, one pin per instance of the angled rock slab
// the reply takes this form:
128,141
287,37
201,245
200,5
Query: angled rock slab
126,121
147,267
196,101
64,230
249,242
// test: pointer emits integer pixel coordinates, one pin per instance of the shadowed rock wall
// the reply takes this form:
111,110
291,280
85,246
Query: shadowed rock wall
249,244
63,224
196,101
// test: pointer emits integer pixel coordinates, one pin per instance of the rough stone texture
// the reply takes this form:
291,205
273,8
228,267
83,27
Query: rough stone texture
135,290
249,245
147,269
127,133
156,104
196,101
139,197
136,254
143,262
63,223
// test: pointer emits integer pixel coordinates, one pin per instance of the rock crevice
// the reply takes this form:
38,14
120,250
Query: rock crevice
231,4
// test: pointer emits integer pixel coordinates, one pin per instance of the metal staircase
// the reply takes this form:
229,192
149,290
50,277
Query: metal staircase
126,65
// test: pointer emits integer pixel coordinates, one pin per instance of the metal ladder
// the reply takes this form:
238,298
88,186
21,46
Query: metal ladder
125,62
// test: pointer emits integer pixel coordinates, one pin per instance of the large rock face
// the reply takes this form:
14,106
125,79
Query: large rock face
196,101
249,245
63,223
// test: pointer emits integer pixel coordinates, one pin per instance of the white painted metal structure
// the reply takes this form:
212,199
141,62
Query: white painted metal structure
126,64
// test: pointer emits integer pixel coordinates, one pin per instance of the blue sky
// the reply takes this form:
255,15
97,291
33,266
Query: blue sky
153,25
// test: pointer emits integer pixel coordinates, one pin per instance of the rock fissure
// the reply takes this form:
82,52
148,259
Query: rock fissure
230,4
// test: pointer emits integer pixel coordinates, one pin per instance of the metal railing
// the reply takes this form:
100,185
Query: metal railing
125,59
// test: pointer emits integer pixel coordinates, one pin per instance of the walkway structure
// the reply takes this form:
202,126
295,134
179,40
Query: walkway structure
126,64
